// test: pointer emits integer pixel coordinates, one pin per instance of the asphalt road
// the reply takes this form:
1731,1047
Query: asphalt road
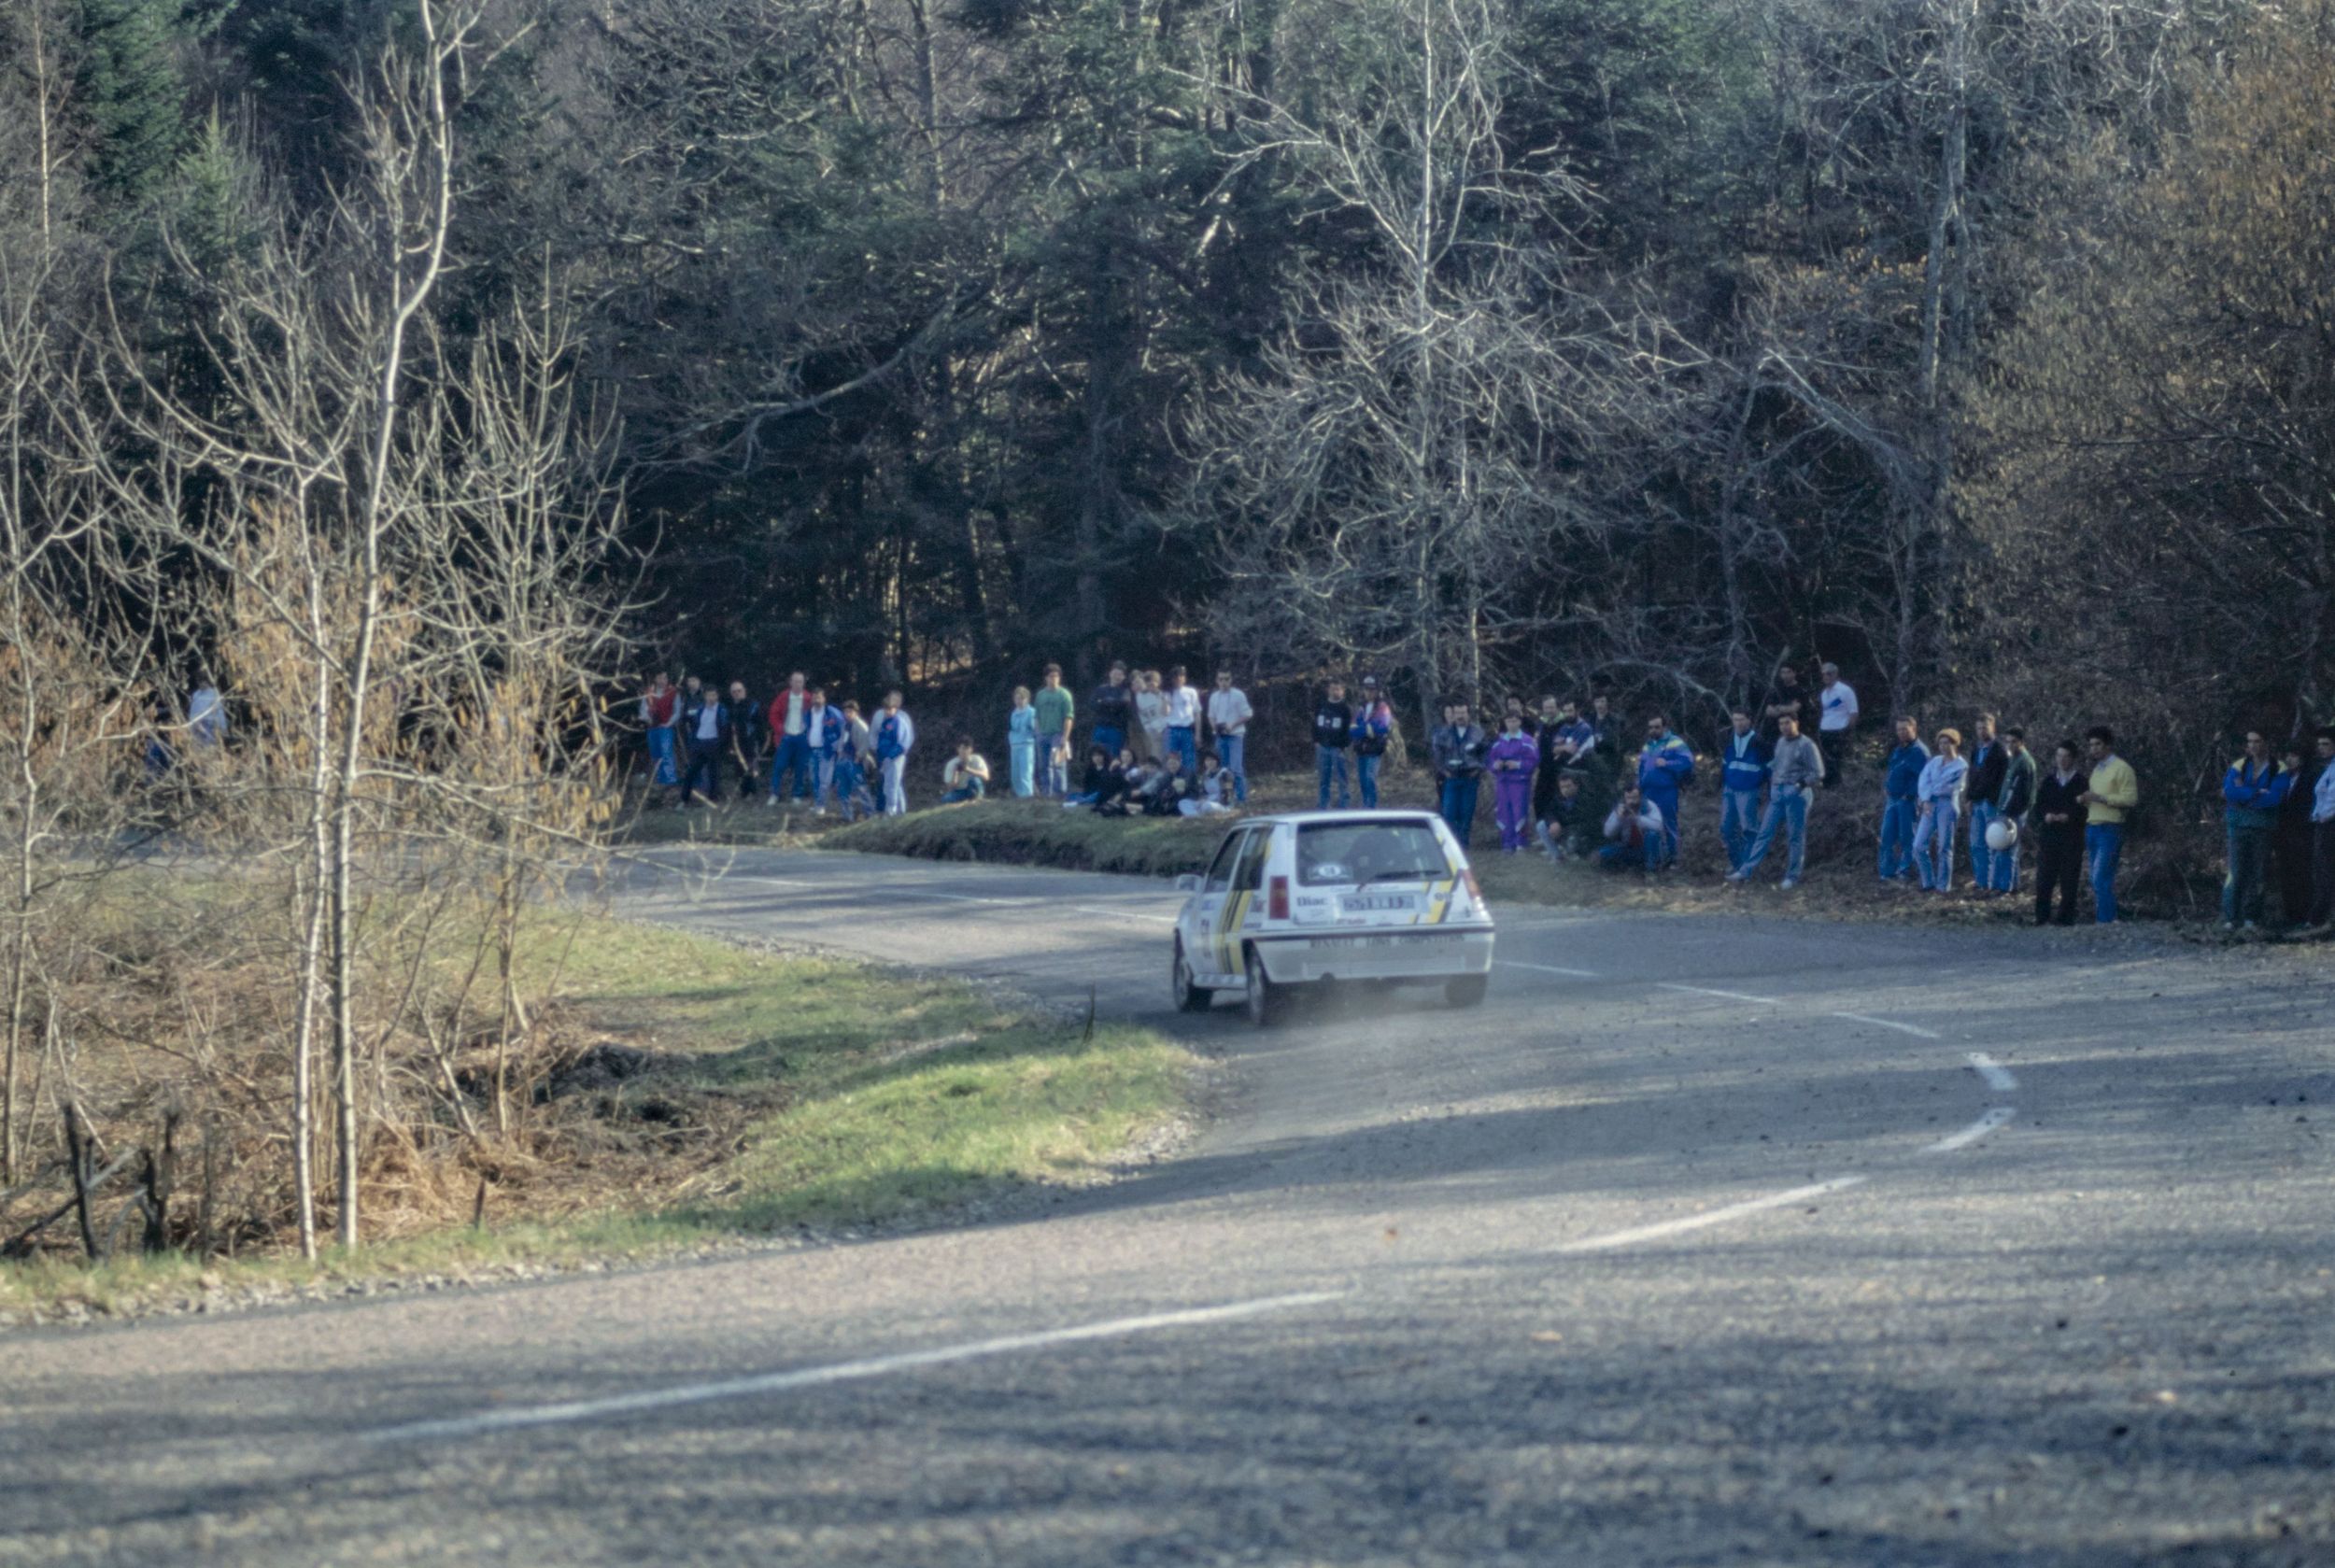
1702,1241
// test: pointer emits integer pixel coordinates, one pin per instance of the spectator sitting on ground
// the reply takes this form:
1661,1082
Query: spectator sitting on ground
1206,797
1097,783
1163,786
965,777
1561,830
1634,834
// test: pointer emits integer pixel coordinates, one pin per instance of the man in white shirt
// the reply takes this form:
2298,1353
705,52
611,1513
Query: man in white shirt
2323,836
1183,721
1229,716
1840,717
790,738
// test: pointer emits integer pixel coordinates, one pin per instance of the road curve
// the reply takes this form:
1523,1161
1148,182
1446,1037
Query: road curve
1703,1241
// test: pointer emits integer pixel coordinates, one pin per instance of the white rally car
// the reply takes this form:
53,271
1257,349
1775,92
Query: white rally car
1323,897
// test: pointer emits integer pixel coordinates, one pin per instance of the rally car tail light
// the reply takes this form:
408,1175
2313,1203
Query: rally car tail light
1277,898
1474,892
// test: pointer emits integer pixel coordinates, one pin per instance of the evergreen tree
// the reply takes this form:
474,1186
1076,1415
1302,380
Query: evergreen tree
131,91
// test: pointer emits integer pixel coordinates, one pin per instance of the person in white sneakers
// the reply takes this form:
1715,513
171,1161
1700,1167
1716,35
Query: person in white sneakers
1229,716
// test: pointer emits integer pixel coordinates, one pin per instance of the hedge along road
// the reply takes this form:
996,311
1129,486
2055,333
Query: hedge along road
1701,1240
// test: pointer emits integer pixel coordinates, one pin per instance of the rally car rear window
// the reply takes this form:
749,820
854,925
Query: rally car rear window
1344,853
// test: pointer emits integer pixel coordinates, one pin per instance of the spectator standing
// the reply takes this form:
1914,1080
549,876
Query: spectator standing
1665,766
1788,695
1114,710
745,739
1604,728
790,738
1744,760
1513,707
660,710
1056,713
852,757
705,725
2059,819
1987,762
1374,726
1900,800
2252,791
1939,812
206,718
2111,797
824,735
964,777
1796,774
1552,755
1634,834
1511,762
1457,749
1183,721
2012,802
1151,713
1333,734
895,738
1021,744
1229,716
2291,845
1838,726
2323,835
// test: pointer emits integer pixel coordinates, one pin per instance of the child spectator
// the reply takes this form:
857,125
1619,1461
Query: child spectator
1021,744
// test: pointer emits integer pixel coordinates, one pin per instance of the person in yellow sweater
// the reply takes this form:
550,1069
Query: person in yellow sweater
2114,791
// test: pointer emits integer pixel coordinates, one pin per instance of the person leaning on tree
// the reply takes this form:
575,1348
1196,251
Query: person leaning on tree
2057,822
2251,792
2112,795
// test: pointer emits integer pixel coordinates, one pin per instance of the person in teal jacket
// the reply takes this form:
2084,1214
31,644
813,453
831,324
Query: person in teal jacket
1665,766
2251,792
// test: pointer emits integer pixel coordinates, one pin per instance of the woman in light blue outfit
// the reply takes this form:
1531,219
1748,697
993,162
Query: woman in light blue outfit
1020,737
1940,797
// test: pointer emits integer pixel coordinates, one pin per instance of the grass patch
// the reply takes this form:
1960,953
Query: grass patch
753,1094
1039,833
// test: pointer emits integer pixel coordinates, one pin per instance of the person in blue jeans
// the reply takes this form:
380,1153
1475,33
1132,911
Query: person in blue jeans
1988,758
1939,812
1374,726
1797,773
2111,796
1744,760
2253,792
2014,797
1665,766
1901,794
1333,732
1457,749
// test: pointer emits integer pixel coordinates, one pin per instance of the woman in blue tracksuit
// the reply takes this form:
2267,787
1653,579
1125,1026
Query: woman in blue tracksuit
1941,812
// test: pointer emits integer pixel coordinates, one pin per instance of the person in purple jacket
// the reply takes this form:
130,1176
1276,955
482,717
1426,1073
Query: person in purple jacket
1510,762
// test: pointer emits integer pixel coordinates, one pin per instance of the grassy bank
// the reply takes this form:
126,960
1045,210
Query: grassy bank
707,1093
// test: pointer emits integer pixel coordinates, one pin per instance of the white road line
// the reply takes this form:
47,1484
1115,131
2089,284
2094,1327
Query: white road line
1711,1216
840,1372
1122,914
1915,1030
1972,1134
1544,968
1995,1073
1731,996
769,882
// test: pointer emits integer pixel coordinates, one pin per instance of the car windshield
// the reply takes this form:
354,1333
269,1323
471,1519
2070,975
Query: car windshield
1348,853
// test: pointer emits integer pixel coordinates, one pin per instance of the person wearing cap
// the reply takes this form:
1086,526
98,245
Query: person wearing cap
1374,728
1839,702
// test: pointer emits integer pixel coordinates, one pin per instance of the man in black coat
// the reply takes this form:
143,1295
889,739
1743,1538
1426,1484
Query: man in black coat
2057,821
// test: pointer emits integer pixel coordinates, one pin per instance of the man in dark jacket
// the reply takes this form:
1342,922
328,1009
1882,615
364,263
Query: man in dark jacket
2057,822
1901,793
745,739
2290,844
2012,802
1333,732
1457,749
1113,709
705,731
2251,792
1988,757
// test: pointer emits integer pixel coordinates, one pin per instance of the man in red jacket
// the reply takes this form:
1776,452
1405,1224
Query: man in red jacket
790,736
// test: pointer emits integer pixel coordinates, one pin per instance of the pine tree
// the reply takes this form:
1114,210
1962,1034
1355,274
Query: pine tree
131,91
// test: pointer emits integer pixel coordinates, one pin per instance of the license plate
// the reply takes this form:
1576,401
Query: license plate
1377,903
1355,941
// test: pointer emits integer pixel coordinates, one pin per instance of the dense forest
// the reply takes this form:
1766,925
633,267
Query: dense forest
1983,346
